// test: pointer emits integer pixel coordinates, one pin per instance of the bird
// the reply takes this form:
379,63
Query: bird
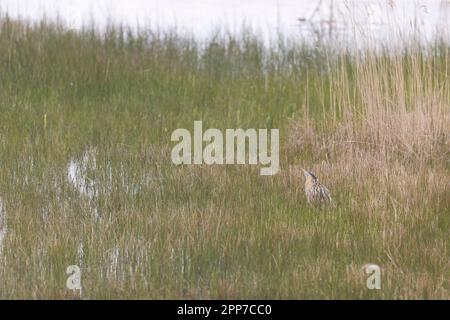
316,193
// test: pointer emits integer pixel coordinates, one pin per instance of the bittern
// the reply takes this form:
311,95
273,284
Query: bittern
316,193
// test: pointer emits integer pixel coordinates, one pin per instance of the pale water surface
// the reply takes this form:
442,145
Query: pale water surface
357,20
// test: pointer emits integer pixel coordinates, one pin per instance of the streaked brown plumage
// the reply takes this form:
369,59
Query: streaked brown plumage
316,193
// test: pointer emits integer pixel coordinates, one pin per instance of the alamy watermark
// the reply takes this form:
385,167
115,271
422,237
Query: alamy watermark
374,278
237,146
74,280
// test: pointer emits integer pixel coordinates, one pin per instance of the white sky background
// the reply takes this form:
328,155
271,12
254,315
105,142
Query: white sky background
378,19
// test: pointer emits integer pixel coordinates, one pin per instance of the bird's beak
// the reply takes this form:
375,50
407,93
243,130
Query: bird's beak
305,172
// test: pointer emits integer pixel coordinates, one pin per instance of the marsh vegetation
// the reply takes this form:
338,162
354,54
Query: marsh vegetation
86,176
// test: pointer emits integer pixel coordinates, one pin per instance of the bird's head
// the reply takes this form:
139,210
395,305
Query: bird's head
309,175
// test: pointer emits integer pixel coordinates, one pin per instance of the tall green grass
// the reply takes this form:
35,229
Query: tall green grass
86,176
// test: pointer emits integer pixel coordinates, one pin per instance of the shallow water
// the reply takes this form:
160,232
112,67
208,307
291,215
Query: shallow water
78,175
353,20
